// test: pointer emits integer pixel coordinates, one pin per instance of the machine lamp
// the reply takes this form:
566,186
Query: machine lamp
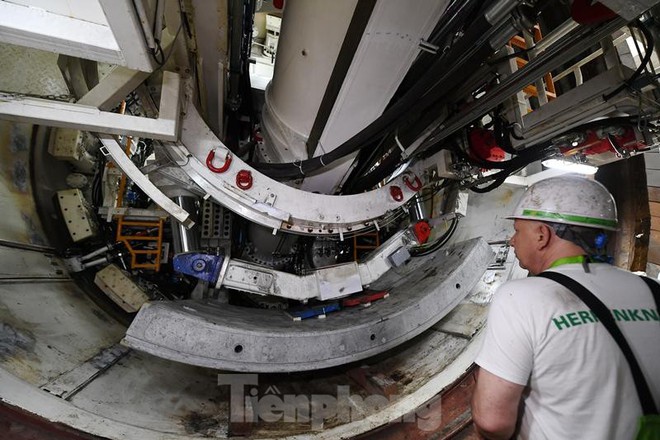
569,166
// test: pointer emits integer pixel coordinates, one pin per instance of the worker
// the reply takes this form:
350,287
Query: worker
548,368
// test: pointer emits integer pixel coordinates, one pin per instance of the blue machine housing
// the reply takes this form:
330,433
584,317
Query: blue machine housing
206,267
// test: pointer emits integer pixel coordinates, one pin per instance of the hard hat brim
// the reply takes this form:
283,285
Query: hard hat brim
576,220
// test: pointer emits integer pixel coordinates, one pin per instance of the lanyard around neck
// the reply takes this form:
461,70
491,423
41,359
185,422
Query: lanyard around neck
570,260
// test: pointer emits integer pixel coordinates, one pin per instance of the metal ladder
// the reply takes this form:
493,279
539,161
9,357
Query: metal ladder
357,246
141,231
543,89
145,233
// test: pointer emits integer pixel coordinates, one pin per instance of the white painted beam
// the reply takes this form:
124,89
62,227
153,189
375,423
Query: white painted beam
113,88
170,99
83,117
128,34
40,29
117,84
87,118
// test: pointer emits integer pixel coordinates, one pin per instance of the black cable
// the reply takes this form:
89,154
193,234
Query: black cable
453,20
441,241
388,164
566,46
434,84
158,55
499,179
508,57
380,173
97,182
501,132
365,163
445,183
650,42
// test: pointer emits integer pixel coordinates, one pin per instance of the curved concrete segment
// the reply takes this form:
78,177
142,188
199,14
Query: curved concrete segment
235,338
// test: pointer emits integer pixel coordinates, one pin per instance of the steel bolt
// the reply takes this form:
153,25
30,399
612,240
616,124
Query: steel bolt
199,265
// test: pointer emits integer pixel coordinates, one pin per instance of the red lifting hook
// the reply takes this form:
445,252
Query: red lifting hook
223,168
415,185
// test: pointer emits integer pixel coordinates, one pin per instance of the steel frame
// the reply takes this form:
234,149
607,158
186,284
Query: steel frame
120,42
274,204
84,117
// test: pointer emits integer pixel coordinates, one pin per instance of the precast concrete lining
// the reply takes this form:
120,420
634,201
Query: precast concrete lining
235,338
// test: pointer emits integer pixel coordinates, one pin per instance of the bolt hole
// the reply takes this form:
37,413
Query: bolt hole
458,286
238,348
304,53
372,337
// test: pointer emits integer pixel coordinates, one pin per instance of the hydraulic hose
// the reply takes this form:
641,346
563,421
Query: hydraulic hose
564,49
457,14
420,252
416,99
645,61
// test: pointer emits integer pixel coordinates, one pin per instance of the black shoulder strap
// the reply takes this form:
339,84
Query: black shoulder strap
655,290
605,316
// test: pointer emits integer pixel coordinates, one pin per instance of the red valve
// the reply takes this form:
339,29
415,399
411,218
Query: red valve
223,168
422,231
415,185
396,193
244,179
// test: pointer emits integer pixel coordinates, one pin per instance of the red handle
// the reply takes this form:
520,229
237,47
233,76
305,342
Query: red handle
223,168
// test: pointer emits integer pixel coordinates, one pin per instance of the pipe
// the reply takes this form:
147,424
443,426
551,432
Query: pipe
418,211
554,36
144,21
158,22
96,262
499,10
185,240
99,251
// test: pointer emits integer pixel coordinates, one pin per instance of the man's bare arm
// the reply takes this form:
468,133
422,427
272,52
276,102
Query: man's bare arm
495,406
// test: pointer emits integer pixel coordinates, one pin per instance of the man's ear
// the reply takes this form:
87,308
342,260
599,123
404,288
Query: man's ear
544,235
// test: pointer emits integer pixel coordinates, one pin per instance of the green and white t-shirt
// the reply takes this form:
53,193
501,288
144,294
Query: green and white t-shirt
579,384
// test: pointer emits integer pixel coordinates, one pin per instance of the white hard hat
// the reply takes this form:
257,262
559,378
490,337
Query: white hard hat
568,199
